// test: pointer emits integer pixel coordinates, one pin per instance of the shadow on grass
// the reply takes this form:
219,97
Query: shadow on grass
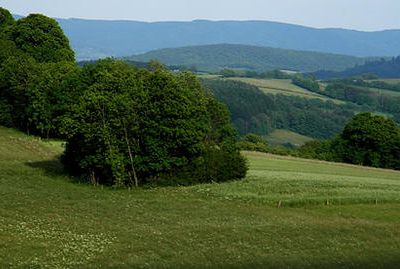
50,167
54,168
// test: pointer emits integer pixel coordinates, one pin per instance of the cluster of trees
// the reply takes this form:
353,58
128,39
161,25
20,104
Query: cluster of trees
253,111
308,83
367,139
123,125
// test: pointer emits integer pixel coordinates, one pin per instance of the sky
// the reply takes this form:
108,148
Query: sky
367,15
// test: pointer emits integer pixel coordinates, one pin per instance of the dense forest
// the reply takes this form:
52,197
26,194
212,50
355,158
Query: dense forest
383,68
243,57
123,125
253,111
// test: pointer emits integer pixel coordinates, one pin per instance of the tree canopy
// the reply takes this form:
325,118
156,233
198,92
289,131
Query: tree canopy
42,38
370,140
6,19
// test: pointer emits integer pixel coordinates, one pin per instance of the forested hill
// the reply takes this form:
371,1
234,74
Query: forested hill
94,38
381,68
217,57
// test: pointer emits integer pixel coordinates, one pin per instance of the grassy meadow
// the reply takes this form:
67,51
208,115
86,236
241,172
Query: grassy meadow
287,213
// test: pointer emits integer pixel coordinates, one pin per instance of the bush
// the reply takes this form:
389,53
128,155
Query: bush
253,142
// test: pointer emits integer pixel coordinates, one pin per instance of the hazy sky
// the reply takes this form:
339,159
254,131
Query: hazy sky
354,14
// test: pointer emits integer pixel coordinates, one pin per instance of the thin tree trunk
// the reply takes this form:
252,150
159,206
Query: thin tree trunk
130,155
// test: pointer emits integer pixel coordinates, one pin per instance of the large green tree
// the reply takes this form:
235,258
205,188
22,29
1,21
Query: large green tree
370,140
42,38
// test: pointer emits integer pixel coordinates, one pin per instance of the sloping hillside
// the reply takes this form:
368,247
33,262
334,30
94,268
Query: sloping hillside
217,57
330,216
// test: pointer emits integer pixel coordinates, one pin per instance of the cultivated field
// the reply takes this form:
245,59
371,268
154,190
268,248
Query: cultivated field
288,213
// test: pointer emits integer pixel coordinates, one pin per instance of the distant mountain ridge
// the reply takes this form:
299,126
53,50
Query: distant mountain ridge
245,57
100,38
93,39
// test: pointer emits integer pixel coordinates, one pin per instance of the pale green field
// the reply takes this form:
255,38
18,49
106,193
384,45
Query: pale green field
330,216
285,87
280,137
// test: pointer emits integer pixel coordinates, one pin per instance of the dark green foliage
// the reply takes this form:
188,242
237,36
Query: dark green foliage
370,140
366,140
42,38
134,126
16,75
256,112
38,78
308,83
36,94
50,95
318,149
6,19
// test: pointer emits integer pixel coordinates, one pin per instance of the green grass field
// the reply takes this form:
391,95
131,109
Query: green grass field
330,216
281,137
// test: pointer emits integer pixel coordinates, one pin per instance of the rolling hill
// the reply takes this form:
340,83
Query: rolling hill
329,216
217,57
93,39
